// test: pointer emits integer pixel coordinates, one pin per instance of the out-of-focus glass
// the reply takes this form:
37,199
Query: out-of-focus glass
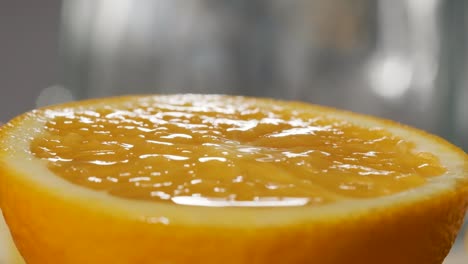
387,57
400,59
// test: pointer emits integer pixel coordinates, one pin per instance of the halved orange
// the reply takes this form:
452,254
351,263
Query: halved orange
220,179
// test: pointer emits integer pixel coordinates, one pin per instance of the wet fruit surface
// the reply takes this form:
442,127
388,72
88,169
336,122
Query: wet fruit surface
225,153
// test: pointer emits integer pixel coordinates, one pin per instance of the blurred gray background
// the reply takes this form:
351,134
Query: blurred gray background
403,38
29,33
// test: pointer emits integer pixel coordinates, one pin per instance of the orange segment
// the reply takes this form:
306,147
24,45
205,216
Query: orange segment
226,154
220,179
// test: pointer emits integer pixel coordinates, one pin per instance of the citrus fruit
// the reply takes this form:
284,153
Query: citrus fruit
221,179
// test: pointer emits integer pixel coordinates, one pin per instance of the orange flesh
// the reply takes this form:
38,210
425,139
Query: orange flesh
210,153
